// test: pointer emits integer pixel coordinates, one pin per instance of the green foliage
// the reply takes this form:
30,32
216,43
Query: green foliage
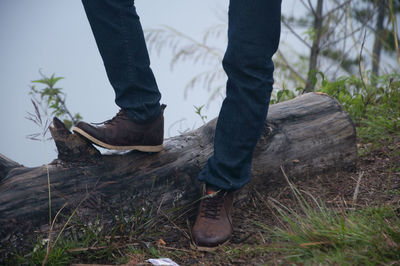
52,100
282,95
388,41
310,34
346,62
374,106
198,111
304,22
58,256
363,12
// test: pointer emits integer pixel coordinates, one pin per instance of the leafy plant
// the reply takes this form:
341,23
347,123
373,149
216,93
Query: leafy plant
282,95
374,106
51,101
198,111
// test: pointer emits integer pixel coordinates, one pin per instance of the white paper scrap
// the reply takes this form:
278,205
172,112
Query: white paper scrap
163,261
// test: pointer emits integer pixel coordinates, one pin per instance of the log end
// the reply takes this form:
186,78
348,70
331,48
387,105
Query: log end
6,165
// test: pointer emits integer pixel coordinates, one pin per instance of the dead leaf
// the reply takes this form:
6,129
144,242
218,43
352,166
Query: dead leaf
161,242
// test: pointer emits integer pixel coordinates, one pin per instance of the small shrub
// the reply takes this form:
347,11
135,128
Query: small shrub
51,101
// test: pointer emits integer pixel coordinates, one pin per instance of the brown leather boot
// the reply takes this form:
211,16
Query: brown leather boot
213,226
122,133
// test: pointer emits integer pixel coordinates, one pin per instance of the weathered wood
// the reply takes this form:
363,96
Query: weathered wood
72,147
6,165
307,135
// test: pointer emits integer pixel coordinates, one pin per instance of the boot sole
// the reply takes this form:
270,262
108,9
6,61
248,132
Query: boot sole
142,148
207,249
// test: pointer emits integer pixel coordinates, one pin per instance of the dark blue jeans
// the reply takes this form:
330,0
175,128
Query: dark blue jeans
253,38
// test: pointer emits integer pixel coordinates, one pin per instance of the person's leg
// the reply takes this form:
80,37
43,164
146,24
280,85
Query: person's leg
253,38
119,37
140,123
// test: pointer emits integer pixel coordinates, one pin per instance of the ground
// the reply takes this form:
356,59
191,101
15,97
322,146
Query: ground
248,245
375,182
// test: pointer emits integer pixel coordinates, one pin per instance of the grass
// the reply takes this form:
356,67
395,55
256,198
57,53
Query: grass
308,233
127,237
315,234
370,236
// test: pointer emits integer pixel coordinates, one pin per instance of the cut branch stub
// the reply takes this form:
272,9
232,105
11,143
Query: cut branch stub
72,147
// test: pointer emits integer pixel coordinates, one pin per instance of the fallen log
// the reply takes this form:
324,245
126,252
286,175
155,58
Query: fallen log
308,135
6,165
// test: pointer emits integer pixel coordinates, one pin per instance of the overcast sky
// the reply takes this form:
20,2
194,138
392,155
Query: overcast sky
54,36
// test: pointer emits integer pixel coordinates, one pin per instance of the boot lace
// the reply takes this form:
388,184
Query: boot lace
118,116
212,205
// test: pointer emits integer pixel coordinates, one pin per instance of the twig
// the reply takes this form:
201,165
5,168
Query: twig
312,8
177,249
49,190
337,7
291,69
356,190
70,217
177,227
360,61
295,33
394,25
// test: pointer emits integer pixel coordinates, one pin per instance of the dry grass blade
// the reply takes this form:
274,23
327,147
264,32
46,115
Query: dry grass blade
304,245
356,190
37,112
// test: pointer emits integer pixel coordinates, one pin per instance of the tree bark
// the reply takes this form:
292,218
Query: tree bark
379,37
315,49
308,135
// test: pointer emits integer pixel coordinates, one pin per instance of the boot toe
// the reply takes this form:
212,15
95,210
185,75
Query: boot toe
83,126
88,131
211,238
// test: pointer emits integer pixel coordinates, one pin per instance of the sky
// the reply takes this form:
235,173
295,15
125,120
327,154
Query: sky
54,36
